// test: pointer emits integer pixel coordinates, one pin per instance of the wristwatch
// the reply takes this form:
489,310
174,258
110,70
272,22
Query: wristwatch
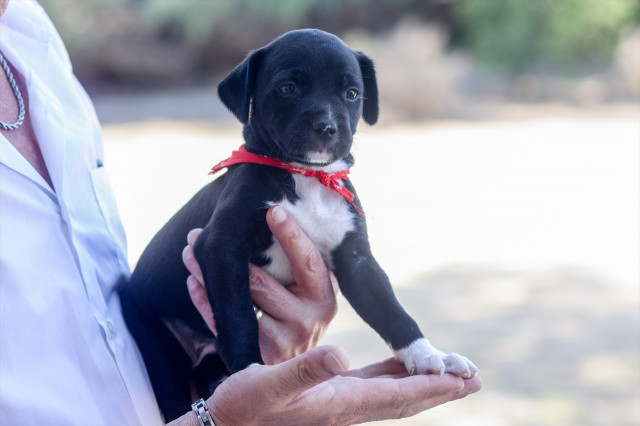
202,411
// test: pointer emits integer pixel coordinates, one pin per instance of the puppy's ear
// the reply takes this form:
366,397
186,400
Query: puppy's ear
238,88
370,103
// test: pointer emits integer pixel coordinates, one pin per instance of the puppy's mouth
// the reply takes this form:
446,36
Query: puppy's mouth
319,158
313,158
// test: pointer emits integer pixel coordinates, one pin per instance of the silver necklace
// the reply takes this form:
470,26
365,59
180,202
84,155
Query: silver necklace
16,91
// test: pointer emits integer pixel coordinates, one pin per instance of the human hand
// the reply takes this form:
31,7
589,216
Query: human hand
315,388
294,317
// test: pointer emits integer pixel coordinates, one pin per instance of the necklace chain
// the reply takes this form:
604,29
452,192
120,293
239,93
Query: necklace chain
16,92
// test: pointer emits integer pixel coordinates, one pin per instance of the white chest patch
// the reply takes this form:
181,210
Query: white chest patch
322,213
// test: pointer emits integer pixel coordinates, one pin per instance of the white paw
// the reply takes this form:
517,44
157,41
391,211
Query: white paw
420,357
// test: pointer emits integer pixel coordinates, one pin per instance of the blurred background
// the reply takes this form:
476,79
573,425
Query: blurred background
501,186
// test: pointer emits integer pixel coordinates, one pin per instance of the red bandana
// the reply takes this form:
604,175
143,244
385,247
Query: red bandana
330,180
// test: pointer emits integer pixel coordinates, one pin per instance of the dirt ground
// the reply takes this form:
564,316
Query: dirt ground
514,241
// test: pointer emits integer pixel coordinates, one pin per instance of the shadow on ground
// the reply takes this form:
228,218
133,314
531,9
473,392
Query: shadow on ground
555,347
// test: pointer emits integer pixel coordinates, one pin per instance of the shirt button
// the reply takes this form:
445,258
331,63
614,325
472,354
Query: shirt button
111,328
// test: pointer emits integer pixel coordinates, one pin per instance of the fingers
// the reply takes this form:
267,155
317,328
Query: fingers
192,236
303,372
445,389
200,300
334,283
188,257
289,325
398,398
195,282
307,266
271,296
387,368
296,316
471,385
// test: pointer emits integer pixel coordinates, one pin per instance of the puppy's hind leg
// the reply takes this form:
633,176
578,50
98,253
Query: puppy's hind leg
168,365
210,373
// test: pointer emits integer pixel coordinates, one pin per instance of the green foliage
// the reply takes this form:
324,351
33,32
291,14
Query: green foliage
560,34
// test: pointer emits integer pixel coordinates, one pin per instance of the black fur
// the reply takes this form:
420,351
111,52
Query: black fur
293,96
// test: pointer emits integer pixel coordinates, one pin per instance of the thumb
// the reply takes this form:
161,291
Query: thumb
309,369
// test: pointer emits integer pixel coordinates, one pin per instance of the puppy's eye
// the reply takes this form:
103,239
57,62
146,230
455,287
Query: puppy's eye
287,89
352,94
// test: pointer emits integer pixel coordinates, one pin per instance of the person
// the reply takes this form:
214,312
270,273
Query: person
66,356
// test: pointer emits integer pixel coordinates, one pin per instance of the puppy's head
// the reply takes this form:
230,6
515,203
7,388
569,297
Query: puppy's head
301,97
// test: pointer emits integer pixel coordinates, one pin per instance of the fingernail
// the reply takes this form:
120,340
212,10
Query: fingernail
333,364
279,214
191,282
255,278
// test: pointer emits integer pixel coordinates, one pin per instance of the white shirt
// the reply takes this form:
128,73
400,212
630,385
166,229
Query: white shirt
66,356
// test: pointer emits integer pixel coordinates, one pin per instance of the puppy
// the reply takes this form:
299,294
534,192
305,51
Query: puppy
300,99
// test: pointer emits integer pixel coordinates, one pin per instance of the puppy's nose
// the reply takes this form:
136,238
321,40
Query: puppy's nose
328,127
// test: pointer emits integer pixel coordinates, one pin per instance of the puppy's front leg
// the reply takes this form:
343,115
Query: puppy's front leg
367,288
223,250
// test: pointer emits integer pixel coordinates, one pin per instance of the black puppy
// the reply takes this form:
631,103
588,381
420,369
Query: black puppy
300,99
